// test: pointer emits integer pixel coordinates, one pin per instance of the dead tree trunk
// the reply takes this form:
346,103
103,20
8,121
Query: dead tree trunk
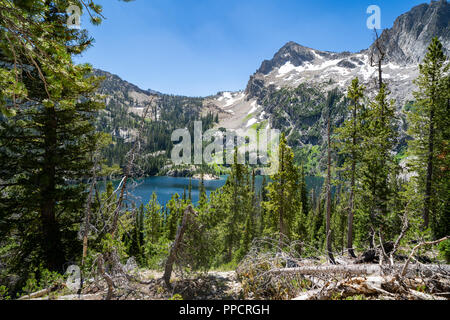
405,267
89,209
381,56
367,269
176,245
132,157
107,277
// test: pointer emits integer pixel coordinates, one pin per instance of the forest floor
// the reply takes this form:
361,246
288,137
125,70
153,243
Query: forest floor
224,285
267,276
214,285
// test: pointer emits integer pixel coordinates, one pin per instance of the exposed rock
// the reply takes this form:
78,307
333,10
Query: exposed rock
180,173
407,41
291,52
273,98
346,64
206,177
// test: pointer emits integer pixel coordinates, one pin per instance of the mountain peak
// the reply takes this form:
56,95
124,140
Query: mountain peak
292,52
407,41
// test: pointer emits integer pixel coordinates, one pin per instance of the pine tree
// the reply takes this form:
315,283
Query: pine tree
135,242
316,222
304,191
284,202
247,238
239,193
153,220
331,99
349,136
428,125
377,162
175,208
47,143
203,198
190,190
339,219
263,198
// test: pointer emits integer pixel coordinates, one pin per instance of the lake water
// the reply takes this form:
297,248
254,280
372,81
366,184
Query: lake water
166,187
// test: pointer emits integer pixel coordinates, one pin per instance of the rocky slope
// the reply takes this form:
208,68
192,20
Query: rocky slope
289,91
125,106
405,45
407,41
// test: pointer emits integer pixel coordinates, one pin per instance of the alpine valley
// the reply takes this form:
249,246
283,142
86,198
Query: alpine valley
93,208
287,92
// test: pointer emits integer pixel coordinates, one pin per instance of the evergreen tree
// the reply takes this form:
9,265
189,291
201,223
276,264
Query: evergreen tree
284,201
262,198
331,99
429,127
377,162
231,214
349,136
238,191
316,223
203,198
338,220
153,220
135,242
175,208
190,190
46,146
304,192
247,238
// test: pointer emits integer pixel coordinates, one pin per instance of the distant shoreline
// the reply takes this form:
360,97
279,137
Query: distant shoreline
206,177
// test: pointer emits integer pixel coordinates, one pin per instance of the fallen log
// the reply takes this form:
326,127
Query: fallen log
370,269
424,296
308,295
41,293
386,287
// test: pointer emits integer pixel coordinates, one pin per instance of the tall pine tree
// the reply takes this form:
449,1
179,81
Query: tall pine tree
429,127
349,136
283,193
45,147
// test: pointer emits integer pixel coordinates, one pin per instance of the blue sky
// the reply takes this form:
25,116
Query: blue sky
200,47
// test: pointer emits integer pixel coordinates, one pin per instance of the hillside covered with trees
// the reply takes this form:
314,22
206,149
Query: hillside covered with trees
62,130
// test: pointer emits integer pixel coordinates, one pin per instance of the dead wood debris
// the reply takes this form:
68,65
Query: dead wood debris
273,272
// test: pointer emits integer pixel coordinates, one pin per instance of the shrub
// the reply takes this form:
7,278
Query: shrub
444,251
4,293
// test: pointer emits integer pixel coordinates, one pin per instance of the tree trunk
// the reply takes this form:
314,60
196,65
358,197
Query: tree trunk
352,191
429,178
366,269
176,246
282,226
380,73
106,276
88,216
51,236
328,229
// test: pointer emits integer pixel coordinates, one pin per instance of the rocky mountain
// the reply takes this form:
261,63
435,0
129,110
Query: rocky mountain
407,41
289,90
125,107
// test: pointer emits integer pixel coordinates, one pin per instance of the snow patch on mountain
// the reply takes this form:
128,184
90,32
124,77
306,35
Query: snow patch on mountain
251,122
